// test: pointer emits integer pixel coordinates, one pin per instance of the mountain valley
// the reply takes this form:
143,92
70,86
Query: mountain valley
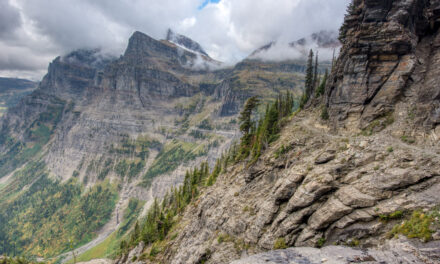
166,155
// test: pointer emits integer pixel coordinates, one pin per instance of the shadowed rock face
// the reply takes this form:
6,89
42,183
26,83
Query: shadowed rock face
390,48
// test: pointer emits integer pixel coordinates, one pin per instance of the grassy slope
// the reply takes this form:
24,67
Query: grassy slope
110,246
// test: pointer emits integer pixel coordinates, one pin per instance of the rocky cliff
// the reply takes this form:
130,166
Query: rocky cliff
137,122
368,178
389,59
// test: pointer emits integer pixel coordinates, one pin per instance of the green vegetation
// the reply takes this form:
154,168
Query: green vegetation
320,242
280,243
17,260
36,136
324,113
171,156
353,242
309,82
420,225
42,220
258,137
282,150
129,168
109,248
190,106
197,134
162,217
136,153
224,238
407,139
390,149
138,148
392,216
205,124
321,88
378,124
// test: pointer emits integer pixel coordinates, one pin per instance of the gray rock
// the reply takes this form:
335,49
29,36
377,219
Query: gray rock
394,252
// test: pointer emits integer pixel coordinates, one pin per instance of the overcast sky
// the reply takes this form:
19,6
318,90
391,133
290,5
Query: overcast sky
34,32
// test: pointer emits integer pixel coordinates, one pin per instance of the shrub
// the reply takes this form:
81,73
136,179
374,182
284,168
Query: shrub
408,139
418,226
324,113
280,243
320,242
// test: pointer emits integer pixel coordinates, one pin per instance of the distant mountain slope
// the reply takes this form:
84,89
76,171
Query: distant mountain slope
12,90
12,84
323,42
358,167
122,130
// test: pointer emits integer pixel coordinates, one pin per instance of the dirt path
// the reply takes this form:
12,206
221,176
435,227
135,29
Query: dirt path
308,124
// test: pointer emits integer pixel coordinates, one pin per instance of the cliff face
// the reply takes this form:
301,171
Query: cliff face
138,121
362,179
390,55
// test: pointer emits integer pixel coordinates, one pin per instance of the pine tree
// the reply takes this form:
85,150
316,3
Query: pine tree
309,80
315,75
333,59
321,87
247,126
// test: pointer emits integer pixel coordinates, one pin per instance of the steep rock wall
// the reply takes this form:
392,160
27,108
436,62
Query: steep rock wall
390,47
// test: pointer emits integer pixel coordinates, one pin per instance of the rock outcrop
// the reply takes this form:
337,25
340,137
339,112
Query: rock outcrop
394,252
390,55
95,118
332,185
302,202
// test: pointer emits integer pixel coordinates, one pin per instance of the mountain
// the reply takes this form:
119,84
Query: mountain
353,177
185,42
87,152
12,90
324,42
274,68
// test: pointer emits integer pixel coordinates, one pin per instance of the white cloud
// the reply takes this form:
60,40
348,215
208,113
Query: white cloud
229,30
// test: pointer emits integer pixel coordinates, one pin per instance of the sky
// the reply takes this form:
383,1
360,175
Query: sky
34,32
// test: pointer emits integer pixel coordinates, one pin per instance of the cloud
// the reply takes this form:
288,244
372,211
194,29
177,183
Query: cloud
10,18
228,30
323,43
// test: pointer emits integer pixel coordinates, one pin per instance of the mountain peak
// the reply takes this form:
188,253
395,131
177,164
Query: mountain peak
139,42
185,42
323,41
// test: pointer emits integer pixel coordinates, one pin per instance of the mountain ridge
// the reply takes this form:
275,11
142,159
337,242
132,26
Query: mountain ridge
124,127
358,167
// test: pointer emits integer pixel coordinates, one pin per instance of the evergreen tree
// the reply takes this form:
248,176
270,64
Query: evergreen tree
315,75
333,59
309,80
247,126
269,125
321,87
